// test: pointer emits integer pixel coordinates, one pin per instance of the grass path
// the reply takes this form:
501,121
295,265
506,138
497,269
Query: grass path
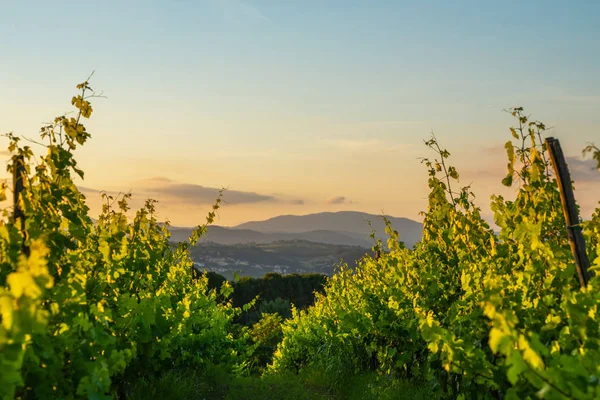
217,385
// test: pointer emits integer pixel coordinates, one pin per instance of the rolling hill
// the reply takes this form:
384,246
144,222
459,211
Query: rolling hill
230,236
352,224
292,244
342,228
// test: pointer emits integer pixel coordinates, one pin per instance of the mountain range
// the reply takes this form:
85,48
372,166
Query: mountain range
348,228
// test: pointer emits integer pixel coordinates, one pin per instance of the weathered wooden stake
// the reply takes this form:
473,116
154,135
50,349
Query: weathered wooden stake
18,185
576,239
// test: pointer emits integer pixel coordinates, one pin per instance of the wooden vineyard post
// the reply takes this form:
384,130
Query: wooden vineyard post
576,239
18,184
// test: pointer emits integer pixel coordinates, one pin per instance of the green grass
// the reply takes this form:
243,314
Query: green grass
218,385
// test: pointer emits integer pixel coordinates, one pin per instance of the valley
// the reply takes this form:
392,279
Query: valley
314,243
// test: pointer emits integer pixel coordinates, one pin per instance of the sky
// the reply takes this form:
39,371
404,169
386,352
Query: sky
301,106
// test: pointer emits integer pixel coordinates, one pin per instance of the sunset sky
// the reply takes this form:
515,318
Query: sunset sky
301,106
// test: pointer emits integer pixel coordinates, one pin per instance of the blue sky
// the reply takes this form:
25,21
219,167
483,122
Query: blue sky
296,100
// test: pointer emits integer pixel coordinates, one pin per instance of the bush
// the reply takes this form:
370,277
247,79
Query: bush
266,334
278,306
87,307
478,315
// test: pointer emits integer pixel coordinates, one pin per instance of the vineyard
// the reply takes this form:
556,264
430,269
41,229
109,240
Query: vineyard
91,308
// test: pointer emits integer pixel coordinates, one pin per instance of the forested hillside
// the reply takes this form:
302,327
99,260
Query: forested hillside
114,309
287,257
234,236
272,293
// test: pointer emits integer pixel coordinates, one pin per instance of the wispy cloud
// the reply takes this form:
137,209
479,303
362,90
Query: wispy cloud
338,200
235,10
561,94
176,193
159,180
357,144
495,150
84,190
387,122
190,193
585,171
377,145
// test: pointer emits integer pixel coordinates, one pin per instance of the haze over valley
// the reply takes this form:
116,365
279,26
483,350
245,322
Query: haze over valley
313,243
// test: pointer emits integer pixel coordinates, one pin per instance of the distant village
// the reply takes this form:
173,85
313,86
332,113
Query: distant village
228,266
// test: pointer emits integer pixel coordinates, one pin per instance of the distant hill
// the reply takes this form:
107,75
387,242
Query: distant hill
287,244
347,228
352,224
230,236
